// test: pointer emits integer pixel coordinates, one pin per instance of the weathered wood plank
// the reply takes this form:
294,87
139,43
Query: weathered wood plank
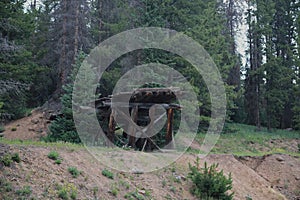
134,117
169,134
111,130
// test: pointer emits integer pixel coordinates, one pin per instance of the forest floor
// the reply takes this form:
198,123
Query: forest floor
263,166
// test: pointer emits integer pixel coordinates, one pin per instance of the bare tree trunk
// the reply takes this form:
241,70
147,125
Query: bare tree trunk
100,20
76,31
63,52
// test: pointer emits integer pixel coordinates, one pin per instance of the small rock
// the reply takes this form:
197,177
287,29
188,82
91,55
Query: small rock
35,121
178,178
142,191
136,171
297,178
280,159
183,178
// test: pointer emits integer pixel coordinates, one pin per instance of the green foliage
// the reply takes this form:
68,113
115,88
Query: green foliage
8,159
74,172
58,161
5,186
53,155
209,183
23,80
108,174
241,141
271,74
67,190
15,157
73,195
134,195
114,190
63,194
63,127
25,191
2,129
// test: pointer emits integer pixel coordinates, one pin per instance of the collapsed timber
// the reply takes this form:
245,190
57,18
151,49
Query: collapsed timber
129,118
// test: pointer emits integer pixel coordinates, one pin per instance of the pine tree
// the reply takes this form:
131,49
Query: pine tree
68,34
19,73
63,127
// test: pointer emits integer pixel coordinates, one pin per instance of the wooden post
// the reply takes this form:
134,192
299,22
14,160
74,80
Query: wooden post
134,116
111,130
169,135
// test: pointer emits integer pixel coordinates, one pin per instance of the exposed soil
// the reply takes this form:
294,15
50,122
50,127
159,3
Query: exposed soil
260,178
281,171
32,127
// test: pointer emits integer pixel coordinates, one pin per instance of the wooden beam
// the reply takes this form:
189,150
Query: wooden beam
169,134
111,130
134,117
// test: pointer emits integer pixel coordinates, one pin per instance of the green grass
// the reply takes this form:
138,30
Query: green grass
240,141
60,145
74,172
53,155
246,140
7,159
108,174
25,191
15,157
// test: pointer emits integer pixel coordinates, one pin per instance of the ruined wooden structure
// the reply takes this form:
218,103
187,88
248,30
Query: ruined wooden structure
140,102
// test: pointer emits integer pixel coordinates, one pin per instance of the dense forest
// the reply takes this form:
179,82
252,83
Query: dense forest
42,44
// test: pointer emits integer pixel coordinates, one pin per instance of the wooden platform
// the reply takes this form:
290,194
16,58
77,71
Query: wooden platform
140,102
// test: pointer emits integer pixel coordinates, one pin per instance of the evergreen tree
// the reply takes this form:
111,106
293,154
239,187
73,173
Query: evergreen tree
273,57
18,69
63,127
67,34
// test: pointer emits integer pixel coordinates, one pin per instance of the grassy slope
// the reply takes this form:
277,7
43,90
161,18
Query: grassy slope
240,139
246,140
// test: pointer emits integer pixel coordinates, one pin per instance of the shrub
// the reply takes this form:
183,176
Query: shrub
114,191
15,157
5,186
25,191
13,129
209,183
53,155
63,194
58,161
6,160
74,172
73,194
134,195
108,174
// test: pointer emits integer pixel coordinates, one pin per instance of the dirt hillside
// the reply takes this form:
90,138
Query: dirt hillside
275,174
38,177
